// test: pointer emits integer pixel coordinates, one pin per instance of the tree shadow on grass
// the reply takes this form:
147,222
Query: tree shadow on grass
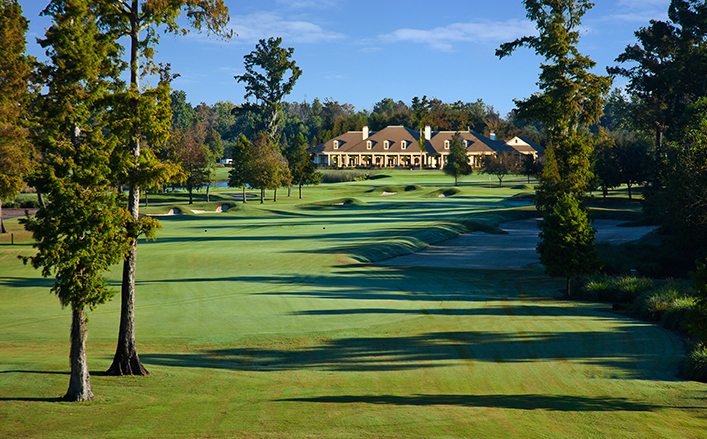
33,399
627,351
26,282
565,403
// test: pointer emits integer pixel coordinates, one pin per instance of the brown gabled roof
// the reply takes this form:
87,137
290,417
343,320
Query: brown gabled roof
346,140
474,144
524,146
393,135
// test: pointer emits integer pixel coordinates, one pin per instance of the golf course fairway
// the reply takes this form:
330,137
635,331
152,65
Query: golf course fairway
273,321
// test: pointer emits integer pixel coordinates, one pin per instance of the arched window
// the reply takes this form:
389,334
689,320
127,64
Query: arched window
369,144
403,144
336,144
446,144
386,145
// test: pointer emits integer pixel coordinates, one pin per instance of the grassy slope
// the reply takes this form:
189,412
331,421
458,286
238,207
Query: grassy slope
258,323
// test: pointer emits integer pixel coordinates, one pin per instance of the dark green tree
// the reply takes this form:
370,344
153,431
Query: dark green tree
270,75
457,160
137,23
183,113
190,152
237,176
665,68
606,167
571,98
80,231
500,165
14,77
566,244
264,166
302,167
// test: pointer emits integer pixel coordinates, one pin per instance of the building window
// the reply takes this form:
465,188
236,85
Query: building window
466,144
446,144
336,144
386,145
403,144
369,145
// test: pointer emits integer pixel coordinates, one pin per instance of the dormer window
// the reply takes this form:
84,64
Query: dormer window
403,144
386,144
446,144
369,144
336,144
466,144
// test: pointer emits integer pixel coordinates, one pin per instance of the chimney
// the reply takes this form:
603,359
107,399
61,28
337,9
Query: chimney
428,132
492,135
365,132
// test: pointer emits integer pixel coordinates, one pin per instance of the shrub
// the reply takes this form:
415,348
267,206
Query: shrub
676,317
696,363
624,289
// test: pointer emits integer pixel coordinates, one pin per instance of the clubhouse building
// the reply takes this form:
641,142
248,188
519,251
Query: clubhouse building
398,146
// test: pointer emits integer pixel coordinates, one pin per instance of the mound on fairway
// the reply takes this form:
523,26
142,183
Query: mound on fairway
444,193
333,204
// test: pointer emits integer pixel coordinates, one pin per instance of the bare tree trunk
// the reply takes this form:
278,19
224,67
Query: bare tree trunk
604,191
2,224
208,199
289,191
79,381
40,200
262,196
190,189
126,360
300,192
244,197
569,287
630,194
274,195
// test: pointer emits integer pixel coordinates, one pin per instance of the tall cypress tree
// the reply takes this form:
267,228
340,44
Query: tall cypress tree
570,99
80,231
14,74
138,22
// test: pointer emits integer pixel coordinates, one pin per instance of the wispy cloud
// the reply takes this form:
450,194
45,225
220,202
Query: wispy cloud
307,4
445,38
639,11
252,27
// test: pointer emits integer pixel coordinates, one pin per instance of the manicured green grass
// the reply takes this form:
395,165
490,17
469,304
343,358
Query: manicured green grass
260,322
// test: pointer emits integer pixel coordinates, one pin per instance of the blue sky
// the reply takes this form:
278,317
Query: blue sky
360,51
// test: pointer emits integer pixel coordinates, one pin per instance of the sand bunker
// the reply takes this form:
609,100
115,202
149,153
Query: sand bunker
387,194
512,251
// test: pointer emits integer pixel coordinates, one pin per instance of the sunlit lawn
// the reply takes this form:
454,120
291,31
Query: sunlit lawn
261,322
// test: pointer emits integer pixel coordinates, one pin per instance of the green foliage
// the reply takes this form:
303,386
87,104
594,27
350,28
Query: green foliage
681,204
457,161
698,319
567,240
696,364
570,95
14,75
501,165
665,68
270,75
265,167
80,232
621,289
300,163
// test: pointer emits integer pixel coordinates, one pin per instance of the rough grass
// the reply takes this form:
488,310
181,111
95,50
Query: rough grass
257,324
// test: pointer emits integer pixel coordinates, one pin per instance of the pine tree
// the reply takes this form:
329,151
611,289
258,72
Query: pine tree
14,74
457,161
80,231
567,241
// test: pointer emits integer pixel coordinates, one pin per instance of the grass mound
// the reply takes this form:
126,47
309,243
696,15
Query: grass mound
333,204
444,192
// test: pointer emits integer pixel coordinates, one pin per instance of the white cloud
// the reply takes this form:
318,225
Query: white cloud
252,27
445,37
639,11
307,4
